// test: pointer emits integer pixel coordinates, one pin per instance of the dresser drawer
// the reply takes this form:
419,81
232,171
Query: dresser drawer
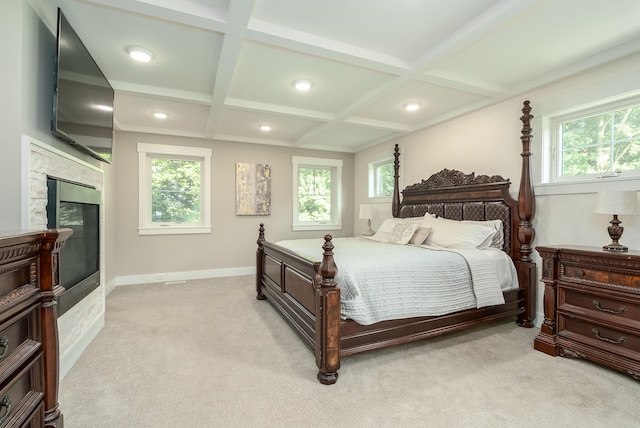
19,338
22,394
597,335
613,307
595,275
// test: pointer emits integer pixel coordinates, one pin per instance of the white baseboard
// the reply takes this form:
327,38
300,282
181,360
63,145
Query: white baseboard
71,356
183,276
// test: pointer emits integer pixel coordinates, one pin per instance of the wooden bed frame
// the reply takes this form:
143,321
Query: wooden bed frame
305,293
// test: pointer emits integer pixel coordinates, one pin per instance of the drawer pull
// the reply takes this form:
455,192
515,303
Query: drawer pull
4,344
5,407
622,339
610,311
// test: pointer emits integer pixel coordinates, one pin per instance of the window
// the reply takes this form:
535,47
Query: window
174,184
381,179
317,191
596,143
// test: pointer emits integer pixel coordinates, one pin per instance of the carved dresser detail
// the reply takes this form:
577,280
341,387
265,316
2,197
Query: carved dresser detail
29,283
591,306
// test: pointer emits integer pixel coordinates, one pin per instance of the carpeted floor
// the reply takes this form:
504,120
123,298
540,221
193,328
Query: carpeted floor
206,353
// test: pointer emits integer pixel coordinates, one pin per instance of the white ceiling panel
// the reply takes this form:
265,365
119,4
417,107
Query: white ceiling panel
434,100
136,114
564,32
346,138
266,74
399,28
245,125
222,67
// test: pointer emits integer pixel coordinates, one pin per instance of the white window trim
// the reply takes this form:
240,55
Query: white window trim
567,107
336,196
371,184
145,153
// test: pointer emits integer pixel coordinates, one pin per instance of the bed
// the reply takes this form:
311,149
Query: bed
305,292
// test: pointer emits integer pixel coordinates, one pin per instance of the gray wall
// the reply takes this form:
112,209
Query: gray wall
232,242
27,31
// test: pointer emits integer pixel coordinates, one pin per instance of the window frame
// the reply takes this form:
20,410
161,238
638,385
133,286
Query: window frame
146,153
373,184
335,223
551,143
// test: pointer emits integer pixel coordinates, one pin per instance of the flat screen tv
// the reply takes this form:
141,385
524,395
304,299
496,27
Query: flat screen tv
83,98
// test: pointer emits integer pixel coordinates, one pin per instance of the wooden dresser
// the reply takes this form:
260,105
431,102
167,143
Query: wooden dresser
28,328
591,306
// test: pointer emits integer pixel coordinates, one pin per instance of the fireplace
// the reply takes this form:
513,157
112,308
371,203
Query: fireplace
77,207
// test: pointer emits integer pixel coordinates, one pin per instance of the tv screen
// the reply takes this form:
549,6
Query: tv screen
83,98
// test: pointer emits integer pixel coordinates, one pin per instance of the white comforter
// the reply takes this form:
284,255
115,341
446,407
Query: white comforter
380,281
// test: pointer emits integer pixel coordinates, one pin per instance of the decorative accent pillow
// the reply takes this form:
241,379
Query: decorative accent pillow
457,234
387,226
402,232
420,235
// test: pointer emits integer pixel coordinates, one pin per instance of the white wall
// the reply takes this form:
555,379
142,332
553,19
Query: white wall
488,142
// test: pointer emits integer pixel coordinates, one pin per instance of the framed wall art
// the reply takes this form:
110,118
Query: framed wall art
253,189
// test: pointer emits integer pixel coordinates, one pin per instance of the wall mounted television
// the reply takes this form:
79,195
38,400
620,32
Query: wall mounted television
83,97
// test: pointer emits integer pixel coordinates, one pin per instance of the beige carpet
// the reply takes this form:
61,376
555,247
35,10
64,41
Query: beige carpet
208,354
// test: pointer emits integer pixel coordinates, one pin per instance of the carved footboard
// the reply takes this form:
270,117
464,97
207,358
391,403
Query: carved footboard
305,293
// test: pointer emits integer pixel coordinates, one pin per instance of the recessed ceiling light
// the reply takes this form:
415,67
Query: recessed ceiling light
140,54
302,85
412,106
265,128
159,115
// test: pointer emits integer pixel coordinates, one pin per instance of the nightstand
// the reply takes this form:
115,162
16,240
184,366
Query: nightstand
591,306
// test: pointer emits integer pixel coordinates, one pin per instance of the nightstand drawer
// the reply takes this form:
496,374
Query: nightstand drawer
22,395
585,301
587,275
599,336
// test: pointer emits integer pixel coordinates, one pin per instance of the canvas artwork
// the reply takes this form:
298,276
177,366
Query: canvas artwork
253,189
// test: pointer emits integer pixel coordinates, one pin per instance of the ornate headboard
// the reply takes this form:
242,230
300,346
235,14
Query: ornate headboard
455,195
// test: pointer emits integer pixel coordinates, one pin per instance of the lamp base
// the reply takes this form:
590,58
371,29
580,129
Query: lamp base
368,233
616,248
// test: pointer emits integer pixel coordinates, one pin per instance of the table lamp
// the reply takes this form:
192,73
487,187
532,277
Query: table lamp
367,212
616,202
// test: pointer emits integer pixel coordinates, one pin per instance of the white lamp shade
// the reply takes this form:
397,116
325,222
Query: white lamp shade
617,202
366,211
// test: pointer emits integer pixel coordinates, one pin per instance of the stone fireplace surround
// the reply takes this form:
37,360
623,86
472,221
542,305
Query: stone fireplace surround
79,325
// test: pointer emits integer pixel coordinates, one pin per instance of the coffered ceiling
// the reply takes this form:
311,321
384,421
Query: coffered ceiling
222,68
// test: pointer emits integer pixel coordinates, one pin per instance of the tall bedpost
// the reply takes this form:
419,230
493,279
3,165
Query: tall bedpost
327,317
260,263
395,203
526,210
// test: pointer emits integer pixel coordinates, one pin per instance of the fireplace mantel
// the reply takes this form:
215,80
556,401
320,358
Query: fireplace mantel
80,324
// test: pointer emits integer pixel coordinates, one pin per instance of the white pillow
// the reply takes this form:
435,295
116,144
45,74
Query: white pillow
497,241
457,234
387,226
402,232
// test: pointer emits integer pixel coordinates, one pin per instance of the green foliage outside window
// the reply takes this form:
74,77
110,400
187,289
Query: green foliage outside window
314,194
384,180
175,191
603,143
